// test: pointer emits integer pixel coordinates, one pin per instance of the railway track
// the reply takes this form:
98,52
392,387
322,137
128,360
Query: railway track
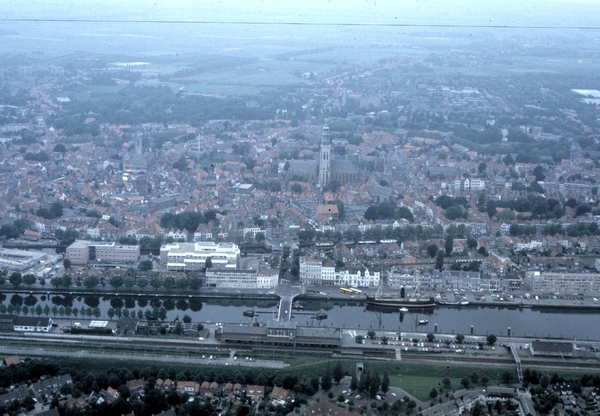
121,343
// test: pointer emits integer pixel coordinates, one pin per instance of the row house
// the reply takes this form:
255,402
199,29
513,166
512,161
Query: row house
210,389
398,279
136,386
190,387
161,384
359,278
50,386
235,389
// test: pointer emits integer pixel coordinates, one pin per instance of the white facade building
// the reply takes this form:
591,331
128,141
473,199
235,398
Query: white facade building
193,256
242,279
316,272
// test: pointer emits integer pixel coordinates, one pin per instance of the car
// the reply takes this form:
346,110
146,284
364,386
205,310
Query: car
378,397
393,394
358,397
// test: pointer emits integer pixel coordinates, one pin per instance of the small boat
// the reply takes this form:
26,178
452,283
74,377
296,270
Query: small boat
403,310
423,322
319,315
250,313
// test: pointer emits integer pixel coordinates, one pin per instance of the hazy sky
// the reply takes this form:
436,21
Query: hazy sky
469,12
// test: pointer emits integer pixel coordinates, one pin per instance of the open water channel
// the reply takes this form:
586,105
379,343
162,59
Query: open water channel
528,322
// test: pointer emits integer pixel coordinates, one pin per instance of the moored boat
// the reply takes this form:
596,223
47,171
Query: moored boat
250,313
319,315
423,322
402,301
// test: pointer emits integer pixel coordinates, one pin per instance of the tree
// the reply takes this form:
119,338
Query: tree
449,245
507,377
145,265
446,383
187,319
432,250
439,260
181,164
67,263
433,393
15,279
371,334
460,338
116,281
385,383
491,339
544,380
471,242
482,167
142,282
465,382
338,372
359,339
485,380
208,263
155,282
353,381
326,378
129,282
169,282
297,188
29,279
430,337
195,283
260,237
372,213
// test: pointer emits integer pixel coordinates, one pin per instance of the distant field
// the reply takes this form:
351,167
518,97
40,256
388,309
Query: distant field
89,92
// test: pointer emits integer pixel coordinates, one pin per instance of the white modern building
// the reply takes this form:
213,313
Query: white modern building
242,279
193,256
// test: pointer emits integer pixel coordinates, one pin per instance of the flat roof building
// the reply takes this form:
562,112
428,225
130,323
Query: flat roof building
193,256
81,252
242,279
564,283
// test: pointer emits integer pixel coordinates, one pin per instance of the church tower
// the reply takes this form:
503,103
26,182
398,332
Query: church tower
325,159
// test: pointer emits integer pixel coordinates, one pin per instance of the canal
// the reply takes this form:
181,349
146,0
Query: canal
479,320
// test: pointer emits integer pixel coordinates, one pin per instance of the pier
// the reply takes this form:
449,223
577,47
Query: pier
286,293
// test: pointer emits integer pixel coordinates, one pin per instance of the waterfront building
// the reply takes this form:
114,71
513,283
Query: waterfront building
193,256
83,252
318,272
564,283
241,279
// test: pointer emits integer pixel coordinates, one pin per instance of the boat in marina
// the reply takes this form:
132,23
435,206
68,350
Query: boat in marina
402,301
423,322
403,310
251,313
319,316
